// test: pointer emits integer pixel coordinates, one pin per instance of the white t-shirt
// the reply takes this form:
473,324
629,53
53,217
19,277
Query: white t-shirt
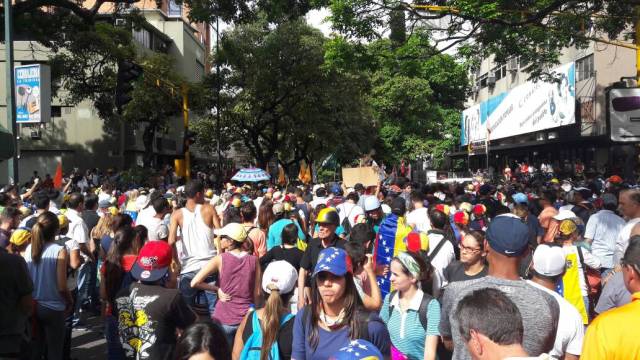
152,225
145,215
570,333
419,220
443,258
351,210
623,240
78,230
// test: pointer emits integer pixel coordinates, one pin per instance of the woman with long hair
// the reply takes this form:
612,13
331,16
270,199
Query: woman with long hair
335,316
115,276
47,263
203,341
239,279
412,315
472,263
270,327
118,222
265,215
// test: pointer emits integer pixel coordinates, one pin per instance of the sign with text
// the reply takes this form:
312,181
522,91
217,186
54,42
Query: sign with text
530,107
624,114
33,93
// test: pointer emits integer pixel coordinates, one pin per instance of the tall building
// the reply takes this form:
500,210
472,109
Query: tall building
561,123
76,136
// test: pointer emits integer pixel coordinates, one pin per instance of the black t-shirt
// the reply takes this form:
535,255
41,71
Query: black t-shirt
310,257
293,256
148,316
455,272
285,336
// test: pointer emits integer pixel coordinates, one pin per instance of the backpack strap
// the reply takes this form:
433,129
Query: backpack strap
422,310
391,306
437,249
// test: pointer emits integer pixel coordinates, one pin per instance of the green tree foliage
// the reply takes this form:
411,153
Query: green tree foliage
283,102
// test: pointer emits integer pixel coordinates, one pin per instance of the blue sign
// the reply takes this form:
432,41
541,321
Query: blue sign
33,93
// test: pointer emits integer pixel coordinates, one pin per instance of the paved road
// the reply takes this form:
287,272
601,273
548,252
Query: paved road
90,344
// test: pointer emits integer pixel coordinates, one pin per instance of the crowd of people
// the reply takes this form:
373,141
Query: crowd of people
522,268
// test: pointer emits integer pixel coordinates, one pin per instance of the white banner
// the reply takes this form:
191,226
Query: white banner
624,115
530,107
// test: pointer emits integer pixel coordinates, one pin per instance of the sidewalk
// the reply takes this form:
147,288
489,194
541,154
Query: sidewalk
89,344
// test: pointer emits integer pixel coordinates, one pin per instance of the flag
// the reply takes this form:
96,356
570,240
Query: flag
282,180
305,173
389,242
57,178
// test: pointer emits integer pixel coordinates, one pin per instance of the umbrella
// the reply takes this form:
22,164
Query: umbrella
251,175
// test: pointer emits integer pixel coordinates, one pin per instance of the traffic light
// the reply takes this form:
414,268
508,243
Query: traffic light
127,73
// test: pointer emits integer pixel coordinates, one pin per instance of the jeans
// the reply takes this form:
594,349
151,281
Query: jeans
114,347
84,281
50,334
194,296
230,333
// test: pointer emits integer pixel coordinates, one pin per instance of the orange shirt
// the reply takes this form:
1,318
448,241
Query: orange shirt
614,334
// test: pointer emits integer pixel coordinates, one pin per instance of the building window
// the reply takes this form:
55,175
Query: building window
482,81
585,68
143,36
500,72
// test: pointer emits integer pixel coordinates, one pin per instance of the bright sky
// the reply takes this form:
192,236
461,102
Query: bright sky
316,18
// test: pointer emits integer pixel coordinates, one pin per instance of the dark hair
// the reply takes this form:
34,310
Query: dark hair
203,336
232,215
160,204
417,196
362,233
352,309
43,231
425,278
75,200
248,211
549,196
321,192
356,252
491,313
90,201
632,254
479,235
9,213
121,221
124,243
192,188
142,235
266,216
290,234
353,196
438,219
41,200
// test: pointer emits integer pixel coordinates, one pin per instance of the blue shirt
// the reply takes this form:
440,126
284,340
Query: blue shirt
274,238
329,342
44,277
405,329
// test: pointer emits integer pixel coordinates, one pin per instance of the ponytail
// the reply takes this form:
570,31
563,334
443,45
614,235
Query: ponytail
273,310
43,231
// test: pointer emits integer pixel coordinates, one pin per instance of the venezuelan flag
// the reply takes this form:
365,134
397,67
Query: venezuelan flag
570,288
389,242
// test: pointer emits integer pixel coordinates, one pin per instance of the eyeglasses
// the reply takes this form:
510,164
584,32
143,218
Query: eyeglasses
468,249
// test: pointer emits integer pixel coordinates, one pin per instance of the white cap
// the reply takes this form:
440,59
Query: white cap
141,202
565,215
371,203
281,274
549,260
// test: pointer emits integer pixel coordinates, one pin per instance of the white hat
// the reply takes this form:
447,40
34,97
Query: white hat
549,260
281,274
371,203
565,215
234,231
142,201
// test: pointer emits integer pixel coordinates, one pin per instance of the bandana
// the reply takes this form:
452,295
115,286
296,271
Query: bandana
409,262
332,324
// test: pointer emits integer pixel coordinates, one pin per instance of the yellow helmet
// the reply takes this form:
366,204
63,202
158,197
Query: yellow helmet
328,216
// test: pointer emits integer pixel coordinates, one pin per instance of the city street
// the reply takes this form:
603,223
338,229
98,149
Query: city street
89,344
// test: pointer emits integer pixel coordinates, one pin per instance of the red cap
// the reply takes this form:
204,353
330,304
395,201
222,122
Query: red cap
153,261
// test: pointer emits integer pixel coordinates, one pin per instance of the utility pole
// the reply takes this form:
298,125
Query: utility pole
218,137
11,94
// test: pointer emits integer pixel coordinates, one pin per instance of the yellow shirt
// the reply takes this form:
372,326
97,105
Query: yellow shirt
614,334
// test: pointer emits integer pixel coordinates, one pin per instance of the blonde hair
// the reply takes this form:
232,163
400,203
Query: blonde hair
103,227
273,310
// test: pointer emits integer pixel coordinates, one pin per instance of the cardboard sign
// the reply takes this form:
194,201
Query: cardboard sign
367,176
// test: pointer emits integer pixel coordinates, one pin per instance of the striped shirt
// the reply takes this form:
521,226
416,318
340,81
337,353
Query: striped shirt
405,329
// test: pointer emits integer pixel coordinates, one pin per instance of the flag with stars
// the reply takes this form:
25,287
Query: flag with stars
358,350
389,242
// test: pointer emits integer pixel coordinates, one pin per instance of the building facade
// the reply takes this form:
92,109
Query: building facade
76,136
562,123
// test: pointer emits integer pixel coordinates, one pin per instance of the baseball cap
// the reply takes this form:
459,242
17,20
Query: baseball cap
333,260
104,204
358,350
280,274
399,206
234,231
278,208
520,198
371,203
609,199
508,235
567,227
152,262
564,215
549,260
20,237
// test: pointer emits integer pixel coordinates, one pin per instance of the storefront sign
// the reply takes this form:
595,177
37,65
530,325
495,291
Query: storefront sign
624,115
33,93
530,107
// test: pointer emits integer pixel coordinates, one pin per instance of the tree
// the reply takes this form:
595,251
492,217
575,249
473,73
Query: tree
282,101
535,30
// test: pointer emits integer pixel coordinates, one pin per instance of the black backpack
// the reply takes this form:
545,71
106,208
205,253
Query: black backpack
422,310
346,224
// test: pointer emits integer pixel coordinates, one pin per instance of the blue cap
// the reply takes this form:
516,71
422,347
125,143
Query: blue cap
358,350
508,235
333,260
520,198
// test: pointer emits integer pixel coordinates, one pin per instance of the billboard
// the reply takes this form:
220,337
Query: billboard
530,107
624,115
174,9
33,93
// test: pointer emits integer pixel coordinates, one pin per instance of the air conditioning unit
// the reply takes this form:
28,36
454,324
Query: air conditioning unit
512,64
491,79
121,22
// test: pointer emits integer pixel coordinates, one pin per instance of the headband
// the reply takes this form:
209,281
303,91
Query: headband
409,263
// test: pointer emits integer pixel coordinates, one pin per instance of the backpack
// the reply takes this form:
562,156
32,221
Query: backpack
422,310
253,345
346,224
